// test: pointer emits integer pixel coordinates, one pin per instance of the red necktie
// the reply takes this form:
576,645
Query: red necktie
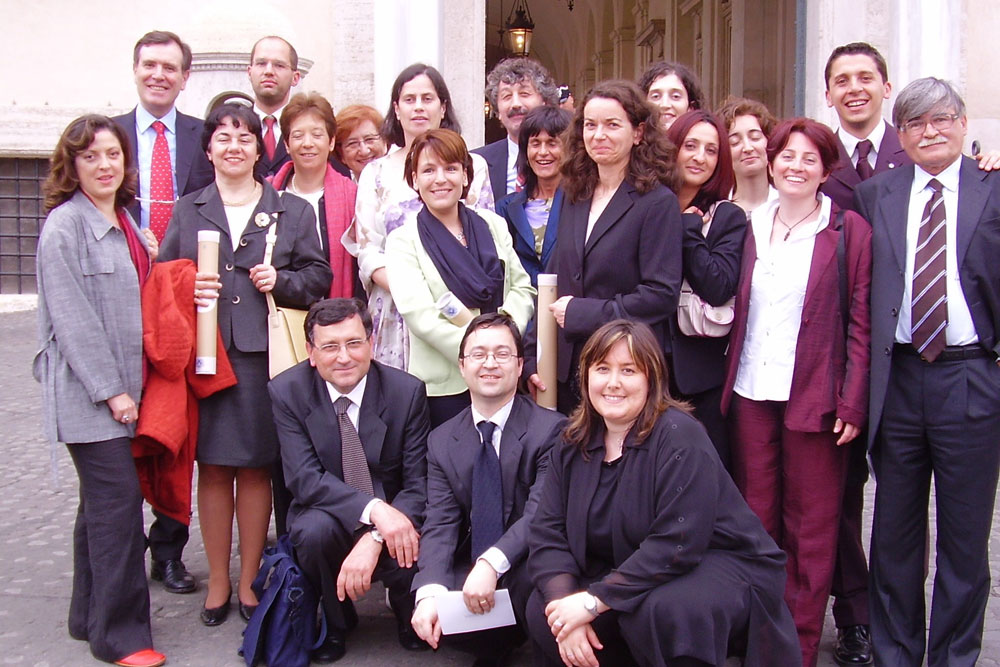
929,296
161,184
269,137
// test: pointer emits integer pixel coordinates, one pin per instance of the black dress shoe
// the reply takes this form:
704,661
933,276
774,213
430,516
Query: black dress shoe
854,646
173,574
332,649
247,610
215,615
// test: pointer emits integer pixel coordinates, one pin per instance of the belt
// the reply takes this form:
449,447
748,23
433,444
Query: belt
950,353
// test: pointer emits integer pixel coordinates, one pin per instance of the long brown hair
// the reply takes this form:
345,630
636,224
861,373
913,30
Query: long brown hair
648,358
63,181
653,159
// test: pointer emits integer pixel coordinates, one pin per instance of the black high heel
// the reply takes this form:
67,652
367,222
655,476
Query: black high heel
216,615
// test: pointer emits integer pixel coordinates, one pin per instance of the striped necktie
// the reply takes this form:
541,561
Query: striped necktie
929,304
352,454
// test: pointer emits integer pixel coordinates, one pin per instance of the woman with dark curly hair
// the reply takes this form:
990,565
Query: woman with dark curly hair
673,89
618,254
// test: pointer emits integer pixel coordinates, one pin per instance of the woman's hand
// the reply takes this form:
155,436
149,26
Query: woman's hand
577,649
558,309
123,409
263,276
567,614
380,278
152,244
696,211
206,289
848,431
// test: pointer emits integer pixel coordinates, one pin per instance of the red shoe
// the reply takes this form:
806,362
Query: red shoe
147,657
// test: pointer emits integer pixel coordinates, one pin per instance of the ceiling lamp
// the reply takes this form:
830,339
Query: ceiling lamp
519,29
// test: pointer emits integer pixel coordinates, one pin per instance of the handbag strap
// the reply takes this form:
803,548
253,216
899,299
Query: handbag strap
269,240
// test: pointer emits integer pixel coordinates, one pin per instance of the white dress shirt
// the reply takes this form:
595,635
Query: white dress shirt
277,123
777,293
355,396
851,143
960,329
145,138
512,152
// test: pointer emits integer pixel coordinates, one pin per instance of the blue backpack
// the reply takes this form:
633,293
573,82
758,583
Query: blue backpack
282,631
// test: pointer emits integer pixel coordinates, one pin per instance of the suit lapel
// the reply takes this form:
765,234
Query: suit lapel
584,476
324,431
552,227
824,250
972,196
619,205
893,209
891,153
187,145
845,171
134,207
371,426
511,449
209,204
498,171
464,449
518,218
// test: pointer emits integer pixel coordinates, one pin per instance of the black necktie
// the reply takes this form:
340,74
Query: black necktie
864,167
487,494
929,292
352,454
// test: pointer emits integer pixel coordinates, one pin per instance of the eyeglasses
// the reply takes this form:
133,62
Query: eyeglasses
333,349
940,122
371,141
502,356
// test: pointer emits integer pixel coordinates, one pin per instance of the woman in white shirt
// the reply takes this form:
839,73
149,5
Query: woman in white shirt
797,370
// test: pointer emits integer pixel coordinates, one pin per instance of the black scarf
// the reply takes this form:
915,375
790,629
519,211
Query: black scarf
474,274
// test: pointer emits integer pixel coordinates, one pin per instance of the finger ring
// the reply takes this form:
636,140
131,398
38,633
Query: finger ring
482,602
126,419
557,624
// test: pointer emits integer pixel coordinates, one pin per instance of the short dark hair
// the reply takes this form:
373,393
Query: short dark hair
551,120
487,320
856,49
334,311
63,181
241,116
825,140
696,98
293,55
163,37
392,130
516,70
447,145
722,180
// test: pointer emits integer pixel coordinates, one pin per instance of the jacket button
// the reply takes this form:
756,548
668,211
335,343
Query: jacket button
577,276
895,312
236,299
243,243
888,351
229,267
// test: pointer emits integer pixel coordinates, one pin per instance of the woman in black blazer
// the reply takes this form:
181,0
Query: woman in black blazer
642,549
237,442
711,267
618,254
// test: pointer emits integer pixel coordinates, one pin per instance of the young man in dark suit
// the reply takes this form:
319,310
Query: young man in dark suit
161,134
934,403
353,437
475,533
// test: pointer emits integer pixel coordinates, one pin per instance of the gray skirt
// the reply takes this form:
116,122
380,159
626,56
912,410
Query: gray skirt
236,425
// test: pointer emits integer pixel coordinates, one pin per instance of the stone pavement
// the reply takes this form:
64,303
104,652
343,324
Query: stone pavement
37,511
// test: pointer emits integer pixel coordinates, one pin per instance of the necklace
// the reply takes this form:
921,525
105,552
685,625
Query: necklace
253,195
461,238
777,216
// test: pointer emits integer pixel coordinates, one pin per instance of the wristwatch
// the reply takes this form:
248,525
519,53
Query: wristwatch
590,604
377,536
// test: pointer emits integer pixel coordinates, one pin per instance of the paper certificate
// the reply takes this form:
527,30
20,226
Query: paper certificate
456,618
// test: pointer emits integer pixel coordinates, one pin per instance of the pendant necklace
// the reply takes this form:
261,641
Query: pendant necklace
777,216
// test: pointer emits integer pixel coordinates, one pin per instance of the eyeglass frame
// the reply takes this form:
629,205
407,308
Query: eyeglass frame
333,349
942,122
508,355
355,144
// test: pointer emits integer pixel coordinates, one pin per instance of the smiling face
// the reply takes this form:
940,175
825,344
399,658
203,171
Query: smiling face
341,353
856,90
748,145
159,77
271,74
439,183
362,146
309,144
933,149
698,154
608,135
617,388
233,151
514,101
490,381
798,168
669,95
544,155
100,168
418,108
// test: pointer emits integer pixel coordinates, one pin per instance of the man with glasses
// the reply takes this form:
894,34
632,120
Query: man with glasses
935,385
485,469
353,436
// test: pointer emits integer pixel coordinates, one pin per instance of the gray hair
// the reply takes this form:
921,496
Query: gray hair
516,70
924,96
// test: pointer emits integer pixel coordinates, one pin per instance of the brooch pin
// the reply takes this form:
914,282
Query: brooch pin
262,219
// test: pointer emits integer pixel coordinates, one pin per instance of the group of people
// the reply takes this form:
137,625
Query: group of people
747,310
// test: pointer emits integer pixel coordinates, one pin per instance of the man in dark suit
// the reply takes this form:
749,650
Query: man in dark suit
353,437
935,404
470,535
514,87
161,63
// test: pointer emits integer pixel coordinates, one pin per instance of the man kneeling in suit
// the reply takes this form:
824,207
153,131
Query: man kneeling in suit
353,437
485,469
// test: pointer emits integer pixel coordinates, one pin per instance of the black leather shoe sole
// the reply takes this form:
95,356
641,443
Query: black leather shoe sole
215,615
332,650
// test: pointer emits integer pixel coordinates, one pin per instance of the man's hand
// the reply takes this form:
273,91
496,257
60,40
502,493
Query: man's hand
425,622
401,538
577,649
989,161
355,578
479,587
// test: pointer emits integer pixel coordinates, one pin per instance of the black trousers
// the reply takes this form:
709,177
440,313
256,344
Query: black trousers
850,575
321,545
940,419
167,537
109,605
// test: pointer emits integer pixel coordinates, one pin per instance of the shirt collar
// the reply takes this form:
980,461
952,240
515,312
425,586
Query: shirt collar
947,178
144,119
512,148
354,396
851,142
499,417
263,114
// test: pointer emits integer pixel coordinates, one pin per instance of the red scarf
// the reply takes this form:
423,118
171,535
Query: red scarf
137,251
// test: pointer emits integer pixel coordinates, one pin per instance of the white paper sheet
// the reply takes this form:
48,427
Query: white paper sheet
456,618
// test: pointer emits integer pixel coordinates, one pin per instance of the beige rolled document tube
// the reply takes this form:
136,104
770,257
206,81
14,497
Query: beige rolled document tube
208,316
453,308
546,345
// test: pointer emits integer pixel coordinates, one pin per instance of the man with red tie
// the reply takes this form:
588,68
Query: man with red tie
166,147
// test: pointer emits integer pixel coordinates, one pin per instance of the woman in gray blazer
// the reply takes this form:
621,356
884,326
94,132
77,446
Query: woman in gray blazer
92,261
